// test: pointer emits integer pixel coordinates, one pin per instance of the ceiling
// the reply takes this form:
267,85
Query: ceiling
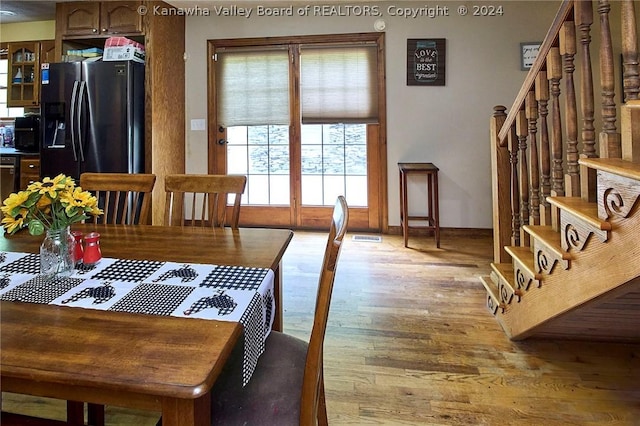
27,11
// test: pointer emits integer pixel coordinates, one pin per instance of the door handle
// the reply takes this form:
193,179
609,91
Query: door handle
81,95
74,100
222,141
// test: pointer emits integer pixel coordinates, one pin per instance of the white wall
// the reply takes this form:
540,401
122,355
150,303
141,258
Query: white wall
447,125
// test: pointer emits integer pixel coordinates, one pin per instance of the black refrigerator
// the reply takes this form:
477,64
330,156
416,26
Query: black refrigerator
92,118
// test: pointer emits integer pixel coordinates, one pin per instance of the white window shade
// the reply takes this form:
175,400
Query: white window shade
339,84
252,87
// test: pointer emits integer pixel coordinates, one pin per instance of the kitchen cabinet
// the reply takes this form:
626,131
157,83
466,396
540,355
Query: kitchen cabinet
29,170
107,18
48,51
24,74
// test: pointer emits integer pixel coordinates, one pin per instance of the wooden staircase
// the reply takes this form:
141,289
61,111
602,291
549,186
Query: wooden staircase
567,222
581,280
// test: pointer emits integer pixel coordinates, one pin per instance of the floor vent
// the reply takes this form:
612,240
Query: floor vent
367,238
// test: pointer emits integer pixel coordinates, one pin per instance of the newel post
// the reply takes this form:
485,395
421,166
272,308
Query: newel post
501,187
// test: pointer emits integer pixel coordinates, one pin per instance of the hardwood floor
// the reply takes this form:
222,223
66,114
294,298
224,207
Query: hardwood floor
410,342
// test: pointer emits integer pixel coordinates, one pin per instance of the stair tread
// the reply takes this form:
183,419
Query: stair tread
504,269
524,255
496,304
616,166
584,210
489,285
549,237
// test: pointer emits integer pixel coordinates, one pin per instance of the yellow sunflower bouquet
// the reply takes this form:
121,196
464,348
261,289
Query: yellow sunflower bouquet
52,204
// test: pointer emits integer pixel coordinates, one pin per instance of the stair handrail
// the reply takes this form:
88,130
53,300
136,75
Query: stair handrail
565,11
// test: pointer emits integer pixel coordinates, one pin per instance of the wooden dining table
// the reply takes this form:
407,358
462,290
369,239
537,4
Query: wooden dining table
149,362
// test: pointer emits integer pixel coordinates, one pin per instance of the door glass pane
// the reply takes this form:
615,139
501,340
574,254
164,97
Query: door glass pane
312,194
334,162
354,192
262,154
257,189
236,158
333,186
279,189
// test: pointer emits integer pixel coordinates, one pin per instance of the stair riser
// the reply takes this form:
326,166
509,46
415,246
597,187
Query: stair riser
575,232
524,279
617,195
546,260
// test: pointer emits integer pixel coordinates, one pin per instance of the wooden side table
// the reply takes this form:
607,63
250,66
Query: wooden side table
432,218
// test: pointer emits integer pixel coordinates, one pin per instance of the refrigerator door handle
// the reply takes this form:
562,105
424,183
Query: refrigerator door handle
74,95
81,95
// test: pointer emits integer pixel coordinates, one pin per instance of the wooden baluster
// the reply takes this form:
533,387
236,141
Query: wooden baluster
534,170
554,74
522,132
568,51
630,51
515,188
609,138
542,96
584,20
500,181
630,112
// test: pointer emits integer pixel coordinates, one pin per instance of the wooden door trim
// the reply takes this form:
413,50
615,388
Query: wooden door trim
378,215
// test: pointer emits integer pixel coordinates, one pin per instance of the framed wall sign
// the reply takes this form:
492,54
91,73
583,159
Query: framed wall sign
426,62
528,54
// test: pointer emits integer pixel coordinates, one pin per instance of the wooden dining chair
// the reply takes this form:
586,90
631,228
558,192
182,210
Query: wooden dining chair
287,386
125,198
207,195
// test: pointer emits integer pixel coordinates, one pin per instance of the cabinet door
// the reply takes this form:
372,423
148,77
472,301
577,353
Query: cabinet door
24,74
47,51
120,17
78,18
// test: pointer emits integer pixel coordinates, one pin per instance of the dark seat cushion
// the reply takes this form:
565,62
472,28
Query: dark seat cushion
272,396
11,419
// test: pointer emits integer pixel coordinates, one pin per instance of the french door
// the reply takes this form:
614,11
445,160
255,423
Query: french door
296,171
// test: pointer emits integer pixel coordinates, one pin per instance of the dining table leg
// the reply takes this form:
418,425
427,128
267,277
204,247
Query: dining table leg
186,412
75,413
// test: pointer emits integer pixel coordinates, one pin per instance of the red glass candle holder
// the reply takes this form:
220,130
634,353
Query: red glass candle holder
78,251
92,254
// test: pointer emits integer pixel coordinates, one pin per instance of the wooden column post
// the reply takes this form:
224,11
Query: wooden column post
630,124
584,20
531,110
542,96
630,51
522,131
500,184
609,137
568,51
554,74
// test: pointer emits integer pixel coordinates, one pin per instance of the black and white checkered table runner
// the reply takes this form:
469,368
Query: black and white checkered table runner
227,293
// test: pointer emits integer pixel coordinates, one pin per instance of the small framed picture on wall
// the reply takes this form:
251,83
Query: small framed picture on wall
426,62
528,54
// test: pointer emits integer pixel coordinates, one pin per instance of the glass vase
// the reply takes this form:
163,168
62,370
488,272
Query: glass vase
56,253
